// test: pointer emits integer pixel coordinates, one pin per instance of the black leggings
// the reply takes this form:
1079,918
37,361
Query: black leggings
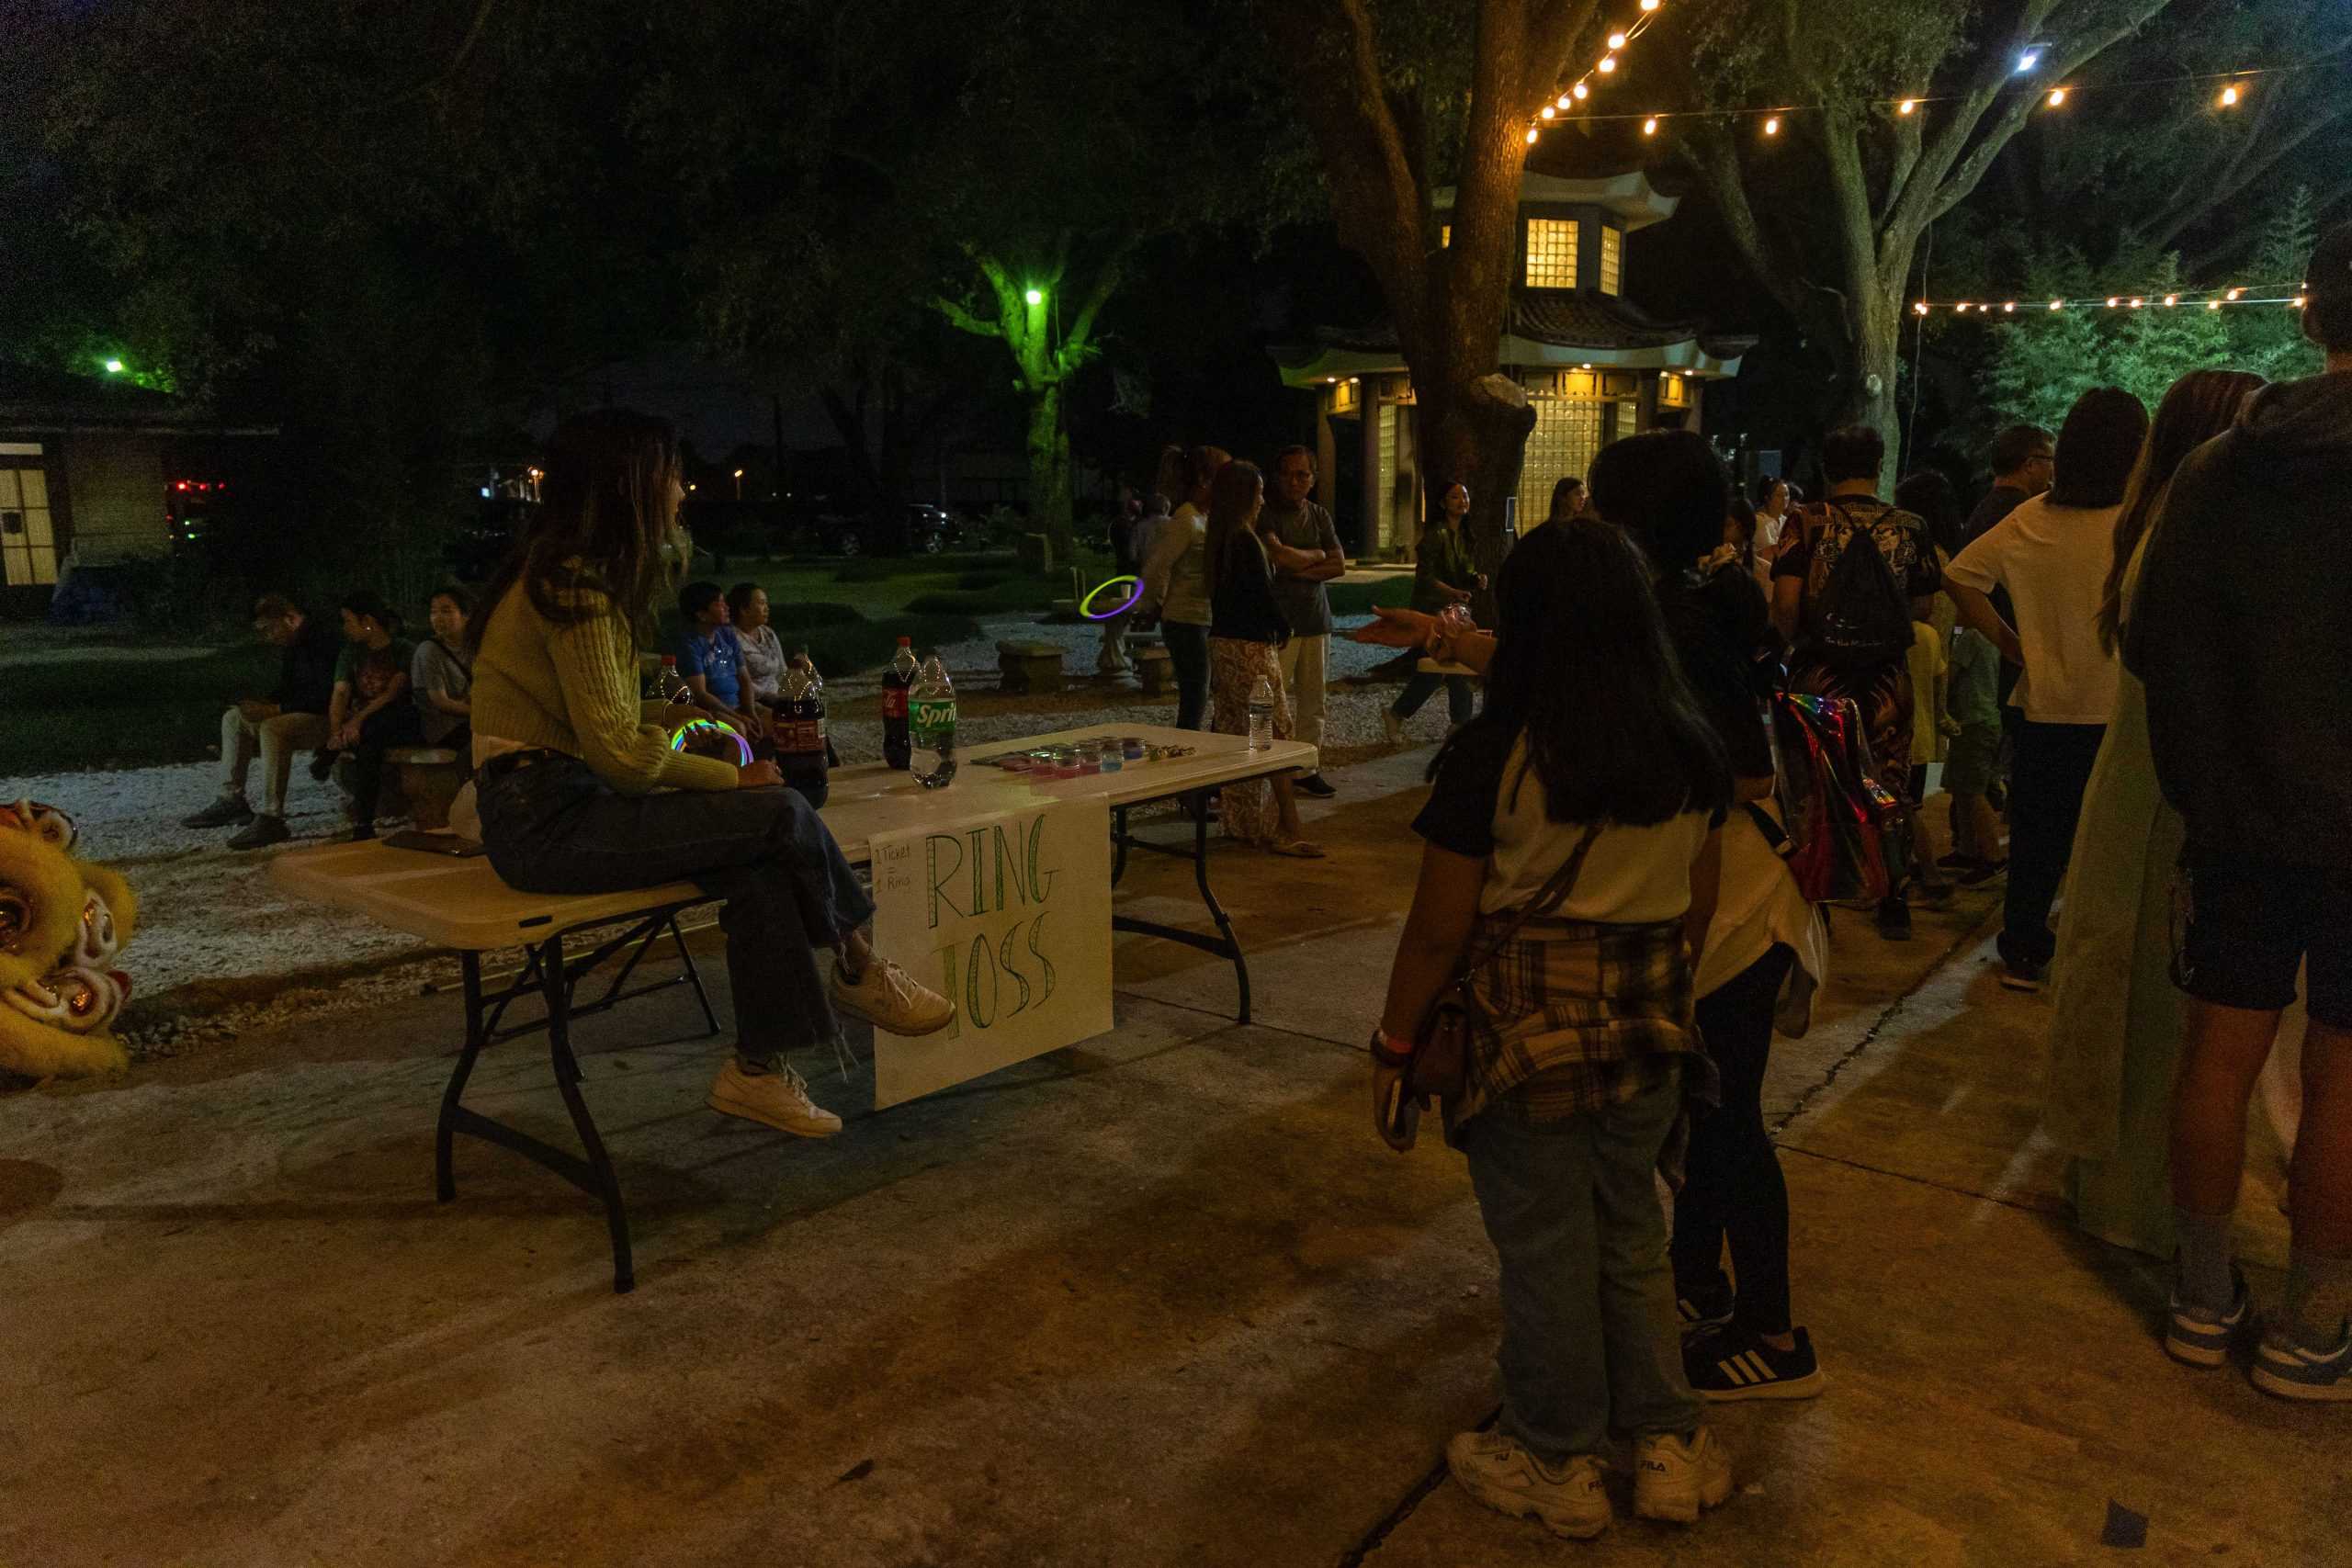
1188,650
1733,1187
396,724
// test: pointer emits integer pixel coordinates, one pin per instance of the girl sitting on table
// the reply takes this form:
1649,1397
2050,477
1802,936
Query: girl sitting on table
577,795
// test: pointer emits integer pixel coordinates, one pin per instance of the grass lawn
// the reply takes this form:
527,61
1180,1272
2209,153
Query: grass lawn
122,712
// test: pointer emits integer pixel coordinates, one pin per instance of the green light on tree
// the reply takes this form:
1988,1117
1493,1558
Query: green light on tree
114,367
1035,296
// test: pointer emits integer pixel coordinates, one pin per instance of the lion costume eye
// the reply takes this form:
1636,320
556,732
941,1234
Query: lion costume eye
16,918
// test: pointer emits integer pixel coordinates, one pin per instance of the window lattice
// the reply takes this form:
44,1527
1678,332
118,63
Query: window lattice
1551,253
1612,259
1569,432
27,549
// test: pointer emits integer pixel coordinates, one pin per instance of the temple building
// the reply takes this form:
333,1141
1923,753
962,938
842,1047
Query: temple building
1594,365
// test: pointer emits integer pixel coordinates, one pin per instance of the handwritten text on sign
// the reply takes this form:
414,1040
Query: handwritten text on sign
1010,919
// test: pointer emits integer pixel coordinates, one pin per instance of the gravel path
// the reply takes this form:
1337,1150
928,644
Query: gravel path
219,948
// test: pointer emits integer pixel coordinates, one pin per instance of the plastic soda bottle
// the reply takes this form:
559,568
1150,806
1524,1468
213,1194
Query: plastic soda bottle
800,733
930,727
1261,714
896,681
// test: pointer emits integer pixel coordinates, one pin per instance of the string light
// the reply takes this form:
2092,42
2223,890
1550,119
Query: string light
2211,299
1549,111
2234,86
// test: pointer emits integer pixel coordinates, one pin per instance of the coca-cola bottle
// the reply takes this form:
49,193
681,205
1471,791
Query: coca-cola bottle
800,733
896,748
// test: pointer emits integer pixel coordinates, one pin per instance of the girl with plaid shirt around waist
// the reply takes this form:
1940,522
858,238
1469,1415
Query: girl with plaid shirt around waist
1575,1078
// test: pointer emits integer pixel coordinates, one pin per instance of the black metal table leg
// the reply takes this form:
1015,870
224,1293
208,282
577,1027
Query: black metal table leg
607,1186
445,1180
1224,944
694,976
1216,910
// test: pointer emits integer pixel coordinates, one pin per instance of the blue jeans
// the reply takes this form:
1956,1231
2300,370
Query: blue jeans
555,826
1589,1339
1461,696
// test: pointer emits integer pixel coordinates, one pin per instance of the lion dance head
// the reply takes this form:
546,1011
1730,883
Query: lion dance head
62,922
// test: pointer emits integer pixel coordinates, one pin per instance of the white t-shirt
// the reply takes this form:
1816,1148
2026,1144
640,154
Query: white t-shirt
2054,561
1632,876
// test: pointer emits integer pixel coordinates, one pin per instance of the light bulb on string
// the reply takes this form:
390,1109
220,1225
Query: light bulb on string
1565,100
2057,98
1772,125
1921,309
2212,304
1649,5
2136,303
1961,309
1607,63
1549,111
2011,308
2172,299
2113,301
2299,301
2230,96
1581,91
1616,41
1649,126
2234,293
1531,136
2057,304
1906,105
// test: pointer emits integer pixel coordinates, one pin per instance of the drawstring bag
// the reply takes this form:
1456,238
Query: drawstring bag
1856,613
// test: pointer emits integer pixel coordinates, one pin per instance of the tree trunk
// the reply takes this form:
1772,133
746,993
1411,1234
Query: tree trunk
1474,431
1877,353
1049,483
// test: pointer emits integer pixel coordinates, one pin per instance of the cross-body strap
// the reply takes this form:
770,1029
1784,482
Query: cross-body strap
1547,898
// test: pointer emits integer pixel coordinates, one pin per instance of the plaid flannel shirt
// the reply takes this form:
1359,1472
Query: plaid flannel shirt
1577,1017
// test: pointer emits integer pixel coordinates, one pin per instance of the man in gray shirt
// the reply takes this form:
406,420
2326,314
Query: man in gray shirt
1299,523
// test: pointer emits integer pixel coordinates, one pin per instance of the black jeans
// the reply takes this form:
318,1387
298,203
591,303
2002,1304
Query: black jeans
1187,649
2046,784
555,826
1732,1186
396,725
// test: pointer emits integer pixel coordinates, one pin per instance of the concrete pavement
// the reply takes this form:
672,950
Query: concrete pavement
1157,1299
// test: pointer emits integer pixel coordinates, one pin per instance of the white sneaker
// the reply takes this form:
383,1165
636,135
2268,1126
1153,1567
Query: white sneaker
1568,1501
777,1100
1392,727
889,999
1674,1478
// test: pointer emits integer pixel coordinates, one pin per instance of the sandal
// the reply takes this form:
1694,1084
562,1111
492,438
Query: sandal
1297,849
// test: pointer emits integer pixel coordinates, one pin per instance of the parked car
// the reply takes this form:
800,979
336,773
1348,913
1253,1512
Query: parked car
931,529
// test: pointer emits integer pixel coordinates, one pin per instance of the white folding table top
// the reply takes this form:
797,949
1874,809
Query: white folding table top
462,903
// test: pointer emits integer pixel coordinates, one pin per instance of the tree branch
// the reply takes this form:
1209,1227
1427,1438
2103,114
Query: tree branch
961,317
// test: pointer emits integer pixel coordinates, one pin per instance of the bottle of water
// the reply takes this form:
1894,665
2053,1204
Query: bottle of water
897,681
1261,714
930,727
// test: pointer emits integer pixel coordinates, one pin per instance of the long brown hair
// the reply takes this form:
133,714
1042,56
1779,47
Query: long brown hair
596,546
1237,487
2200,406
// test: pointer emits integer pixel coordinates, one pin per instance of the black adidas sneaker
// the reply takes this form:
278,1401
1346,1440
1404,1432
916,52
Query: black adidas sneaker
1737,1364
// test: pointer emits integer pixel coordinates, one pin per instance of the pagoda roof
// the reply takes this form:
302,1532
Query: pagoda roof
1547,328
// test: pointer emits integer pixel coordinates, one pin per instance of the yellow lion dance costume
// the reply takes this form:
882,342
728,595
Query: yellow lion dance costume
62,922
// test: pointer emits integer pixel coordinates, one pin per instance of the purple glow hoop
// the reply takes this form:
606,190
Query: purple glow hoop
743,746
1098,592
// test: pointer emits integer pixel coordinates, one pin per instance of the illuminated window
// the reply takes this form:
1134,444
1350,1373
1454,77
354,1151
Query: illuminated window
1551,253
1571,427
27,549
1444,235
1343,396
1613,258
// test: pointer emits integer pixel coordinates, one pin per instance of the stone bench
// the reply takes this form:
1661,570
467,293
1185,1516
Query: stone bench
428,778
1030,667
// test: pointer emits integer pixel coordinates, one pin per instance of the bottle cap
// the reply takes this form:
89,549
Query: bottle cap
669,659
906,642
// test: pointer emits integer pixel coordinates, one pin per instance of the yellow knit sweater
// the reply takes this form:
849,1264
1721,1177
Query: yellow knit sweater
574,689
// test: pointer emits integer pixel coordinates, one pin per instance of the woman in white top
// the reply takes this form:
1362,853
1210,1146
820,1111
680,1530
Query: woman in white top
1175,574
2053,555
763,661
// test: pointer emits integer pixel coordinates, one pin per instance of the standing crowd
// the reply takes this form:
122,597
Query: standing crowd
2142,659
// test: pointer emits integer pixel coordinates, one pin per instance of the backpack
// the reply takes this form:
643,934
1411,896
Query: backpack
1836,811
1857,612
